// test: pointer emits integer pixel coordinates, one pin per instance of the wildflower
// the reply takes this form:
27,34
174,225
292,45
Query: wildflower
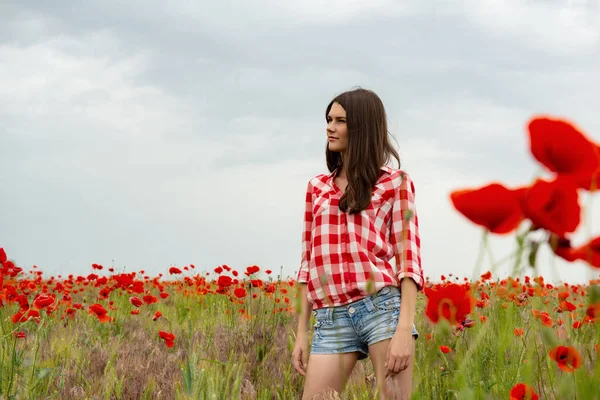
136,301
168,337
543,316
519,332
567,357
445,349
174,270
452,302
494,207
561,147
592,312
43,301
522,391
100,312
553,205
224,281
564,149
149,299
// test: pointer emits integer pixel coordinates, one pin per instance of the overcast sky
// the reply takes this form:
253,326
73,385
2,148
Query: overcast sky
168,133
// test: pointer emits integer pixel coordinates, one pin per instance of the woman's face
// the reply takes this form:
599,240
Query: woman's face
337,130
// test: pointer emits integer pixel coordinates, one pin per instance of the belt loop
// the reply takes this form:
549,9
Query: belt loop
369,303
329,314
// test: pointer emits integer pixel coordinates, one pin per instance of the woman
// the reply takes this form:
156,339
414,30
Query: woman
361,264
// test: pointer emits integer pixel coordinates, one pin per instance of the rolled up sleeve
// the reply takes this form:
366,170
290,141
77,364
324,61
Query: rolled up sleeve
405,233
303,273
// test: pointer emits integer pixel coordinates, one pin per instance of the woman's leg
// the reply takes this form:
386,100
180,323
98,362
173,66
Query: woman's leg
326,372
398,386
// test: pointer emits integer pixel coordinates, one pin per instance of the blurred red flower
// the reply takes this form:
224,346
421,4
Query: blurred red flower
522,391
494,207
452,302
168,337
567,357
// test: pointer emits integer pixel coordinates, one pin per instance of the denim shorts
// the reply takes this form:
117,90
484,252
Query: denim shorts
356,326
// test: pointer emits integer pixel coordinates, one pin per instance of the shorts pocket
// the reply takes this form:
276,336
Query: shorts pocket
323,319
387,302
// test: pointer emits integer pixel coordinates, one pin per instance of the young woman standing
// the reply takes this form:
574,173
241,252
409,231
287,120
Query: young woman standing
361,263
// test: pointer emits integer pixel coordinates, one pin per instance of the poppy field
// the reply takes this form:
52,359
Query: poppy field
228,333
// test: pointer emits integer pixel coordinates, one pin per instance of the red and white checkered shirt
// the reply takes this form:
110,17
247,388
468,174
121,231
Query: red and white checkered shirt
347,257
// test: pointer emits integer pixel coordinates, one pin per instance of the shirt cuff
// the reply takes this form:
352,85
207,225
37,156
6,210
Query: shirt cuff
302,276
407,273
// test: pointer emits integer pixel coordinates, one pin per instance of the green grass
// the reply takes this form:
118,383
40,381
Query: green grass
219,354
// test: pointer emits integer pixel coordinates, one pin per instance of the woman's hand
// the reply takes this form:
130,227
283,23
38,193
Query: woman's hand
400,351
300,353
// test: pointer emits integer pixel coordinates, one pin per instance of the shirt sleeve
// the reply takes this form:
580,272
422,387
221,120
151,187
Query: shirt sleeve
303,273
405,233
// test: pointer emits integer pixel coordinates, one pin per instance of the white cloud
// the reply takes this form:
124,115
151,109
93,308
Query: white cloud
570,27
113,163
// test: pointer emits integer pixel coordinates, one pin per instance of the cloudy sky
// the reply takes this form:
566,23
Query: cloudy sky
152,134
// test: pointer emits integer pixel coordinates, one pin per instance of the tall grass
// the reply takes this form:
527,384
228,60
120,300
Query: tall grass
221,352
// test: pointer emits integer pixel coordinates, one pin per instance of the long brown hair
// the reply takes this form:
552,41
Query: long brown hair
369,146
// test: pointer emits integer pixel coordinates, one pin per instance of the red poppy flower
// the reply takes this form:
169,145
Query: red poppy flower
23,316
566,306
522,391
567,357
100,312
589,252
519,332
224,281
592,312
256,282
43,301
587,181
2,255
494,207
149,299
240,292
553,205
270,288
174,270
136,301
168,337
156,316
543,316
252,270
561,147
451,301
445,349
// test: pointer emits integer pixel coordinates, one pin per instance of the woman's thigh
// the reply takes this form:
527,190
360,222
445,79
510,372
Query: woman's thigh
326,372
